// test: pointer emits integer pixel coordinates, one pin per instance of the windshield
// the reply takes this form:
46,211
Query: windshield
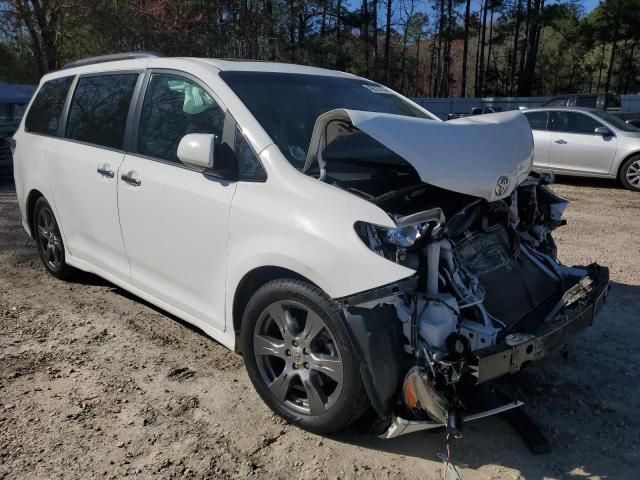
615,121
287,104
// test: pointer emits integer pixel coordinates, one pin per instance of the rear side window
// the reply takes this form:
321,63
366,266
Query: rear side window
173,107
99,109
45,111
537,120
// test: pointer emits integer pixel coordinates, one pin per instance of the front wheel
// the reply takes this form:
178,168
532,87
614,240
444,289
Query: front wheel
300,358
630,173
49,240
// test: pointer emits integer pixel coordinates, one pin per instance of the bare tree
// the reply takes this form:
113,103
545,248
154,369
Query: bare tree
465,48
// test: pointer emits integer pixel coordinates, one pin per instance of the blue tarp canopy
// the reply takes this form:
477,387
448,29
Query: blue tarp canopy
19,94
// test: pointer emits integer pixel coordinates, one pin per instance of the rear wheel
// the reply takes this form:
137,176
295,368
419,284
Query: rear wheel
300,358
49,240
630,173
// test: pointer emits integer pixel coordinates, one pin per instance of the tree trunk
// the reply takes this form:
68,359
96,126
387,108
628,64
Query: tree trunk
614,49
447,69
292,29
439,58
465,48
339,21
403,57
417,91
628,76
480,85
323,19
514,58
365,36
302,27
484,84
432,68
532,50
387,45
523,55
601,66
477,65
375,39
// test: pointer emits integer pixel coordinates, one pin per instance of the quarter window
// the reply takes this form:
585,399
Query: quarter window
45,111
173,107
99,109
573,122
537,120
249,167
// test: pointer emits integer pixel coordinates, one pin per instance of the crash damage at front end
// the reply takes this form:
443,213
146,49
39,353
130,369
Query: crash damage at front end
489,295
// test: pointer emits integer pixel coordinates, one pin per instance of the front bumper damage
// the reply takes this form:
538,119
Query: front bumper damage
377,337
576,311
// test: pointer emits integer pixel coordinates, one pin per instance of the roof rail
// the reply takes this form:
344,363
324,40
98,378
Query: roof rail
111,58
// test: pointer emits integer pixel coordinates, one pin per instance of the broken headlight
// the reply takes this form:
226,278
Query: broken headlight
379,238
403,236
396,244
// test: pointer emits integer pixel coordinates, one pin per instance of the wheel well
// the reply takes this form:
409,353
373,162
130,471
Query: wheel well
631,155
251,282
32,198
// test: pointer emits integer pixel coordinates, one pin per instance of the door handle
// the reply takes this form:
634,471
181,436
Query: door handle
561,142
135,182
106,173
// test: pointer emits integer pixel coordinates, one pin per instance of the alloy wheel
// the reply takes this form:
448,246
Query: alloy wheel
298,358
633,173
49,238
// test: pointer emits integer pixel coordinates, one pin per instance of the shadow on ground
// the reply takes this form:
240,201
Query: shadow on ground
607,183
6,184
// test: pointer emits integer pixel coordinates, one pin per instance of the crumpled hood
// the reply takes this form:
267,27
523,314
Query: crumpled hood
486,156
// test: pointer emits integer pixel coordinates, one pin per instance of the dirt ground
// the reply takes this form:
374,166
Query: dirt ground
96,383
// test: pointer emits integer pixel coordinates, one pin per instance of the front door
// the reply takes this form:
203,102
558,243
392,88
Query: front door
575,148
174,219
82,170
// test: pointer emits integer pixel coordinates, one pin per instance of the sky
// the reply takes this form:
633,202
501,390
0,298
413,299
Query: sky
589,5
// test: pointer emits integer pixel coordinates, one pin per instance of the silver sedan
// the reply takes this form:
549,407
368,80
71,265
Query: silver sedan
585,142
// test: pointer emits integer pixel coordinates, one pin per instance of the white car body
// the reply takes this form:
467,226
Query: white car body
188,231
587,154
106,225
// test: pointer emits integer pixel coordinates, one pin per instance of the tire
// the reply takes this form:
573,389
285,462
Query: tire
289,322
49,241
630,173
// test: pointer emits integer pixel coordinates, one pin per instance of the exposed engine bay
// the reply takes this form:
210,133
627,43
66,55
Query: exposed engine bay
488,285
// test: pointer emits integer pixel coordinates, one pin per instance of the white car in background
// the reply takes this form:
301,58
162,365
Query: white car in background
355,249
585,142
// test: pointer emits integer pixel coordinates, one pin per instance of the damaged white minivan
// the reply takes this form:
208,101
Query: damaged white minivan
359,253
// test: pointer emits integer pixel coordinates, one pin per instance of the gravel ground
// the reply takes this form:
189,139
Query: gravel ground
96,383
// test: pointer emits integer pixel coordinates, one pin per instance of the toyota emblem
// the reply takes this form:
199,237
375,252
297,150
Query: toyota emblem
502,185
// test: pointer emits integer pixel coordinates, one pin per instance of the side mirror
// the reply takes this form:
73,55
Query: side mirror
197,149
604,131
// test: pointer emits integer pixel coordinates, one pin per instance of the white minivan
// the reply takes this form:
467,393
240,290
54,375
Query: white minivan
358,252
